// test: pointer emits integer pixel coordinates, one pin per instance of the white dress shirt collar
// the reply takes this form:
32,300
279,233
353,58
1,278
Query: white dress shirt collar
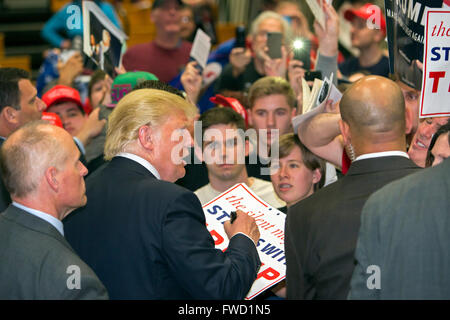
382,154
142,162
44,216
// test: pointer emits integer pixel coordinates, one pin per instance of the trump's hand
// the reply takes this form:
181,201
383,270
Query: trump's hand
243,224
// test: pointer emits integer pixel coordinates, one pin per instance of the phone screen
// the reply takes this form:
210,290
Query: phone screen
274,40
303,52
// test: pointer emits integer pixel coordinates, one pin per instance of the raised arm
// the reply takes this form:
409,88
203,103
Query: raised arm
321,134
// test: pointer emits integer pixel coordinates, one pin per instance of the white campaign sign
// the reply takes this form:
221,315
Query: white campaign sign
270,222
435,97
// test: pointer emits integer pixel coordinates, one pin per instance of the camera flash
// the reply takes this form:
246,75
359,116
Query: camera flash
297,44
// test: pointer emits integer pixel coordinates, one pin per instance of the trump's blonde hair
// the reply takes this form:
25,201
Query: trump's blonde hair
138,108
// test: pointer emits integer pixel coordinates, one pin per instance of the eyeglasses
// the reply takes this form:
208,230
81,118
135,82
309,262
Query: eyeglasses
289,19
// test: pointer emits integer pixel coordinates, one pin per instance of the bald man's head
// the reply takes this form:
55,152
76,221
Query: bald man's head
374,109
28,152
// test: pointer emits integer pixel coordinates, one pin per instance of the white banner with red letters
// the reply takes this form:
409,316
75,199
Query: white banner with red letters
270,222
435,99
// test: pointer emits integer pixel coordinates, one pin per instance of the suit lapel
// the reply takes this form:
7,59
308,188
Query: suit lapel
381,164
34,223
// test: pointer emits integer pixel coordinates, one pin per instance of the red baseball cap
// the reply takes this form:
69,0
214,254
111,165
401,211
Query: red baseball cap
365,12
53,118
232,103
60,93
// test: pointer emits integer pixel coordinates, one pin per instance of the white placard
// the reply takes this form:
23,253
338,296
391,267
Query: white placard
435,96
200,48
270,222
316,7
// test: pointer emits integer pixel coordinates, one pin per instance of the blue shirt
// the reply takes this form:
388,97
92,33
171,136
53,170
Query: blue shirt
44,216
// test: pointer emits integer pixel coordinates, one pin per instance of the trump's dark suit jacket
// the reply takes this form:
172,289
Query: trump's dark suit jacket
147,239
36,262
322,230
405,232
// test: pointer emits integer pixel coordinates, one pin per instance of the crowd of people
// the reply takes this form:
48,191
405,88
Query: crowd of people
102,188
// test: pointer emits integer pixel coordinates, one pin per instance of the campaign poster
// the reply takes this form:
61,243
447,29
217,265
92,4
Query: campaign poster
405,22
435,96
102,40
270,222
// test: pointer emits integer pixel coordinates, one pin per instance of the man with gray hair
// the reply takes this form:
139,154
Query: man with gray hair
144,236
43,174
243,69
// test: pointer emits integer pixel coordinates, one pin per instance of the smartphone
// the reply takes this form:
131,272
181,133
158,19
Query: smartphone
274,40
311,75
240,37
303,52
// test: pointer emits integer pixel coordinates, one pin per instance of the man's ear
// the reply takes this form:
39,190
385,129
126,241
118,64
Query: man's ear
316,176
10,114
345,131
146,137
380,36
293,113
51,176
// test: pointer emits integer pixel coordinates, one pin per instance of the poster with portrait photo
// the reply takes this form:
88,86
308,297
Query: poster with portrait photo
102,40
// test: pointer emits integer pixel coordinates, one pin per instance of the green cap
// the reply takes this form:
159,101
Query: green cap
124,83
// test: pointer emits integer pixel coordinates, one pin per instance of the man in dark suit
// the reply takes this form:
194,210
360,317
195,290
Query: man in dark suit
144,236
321,231
402,250
18,105
42,172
